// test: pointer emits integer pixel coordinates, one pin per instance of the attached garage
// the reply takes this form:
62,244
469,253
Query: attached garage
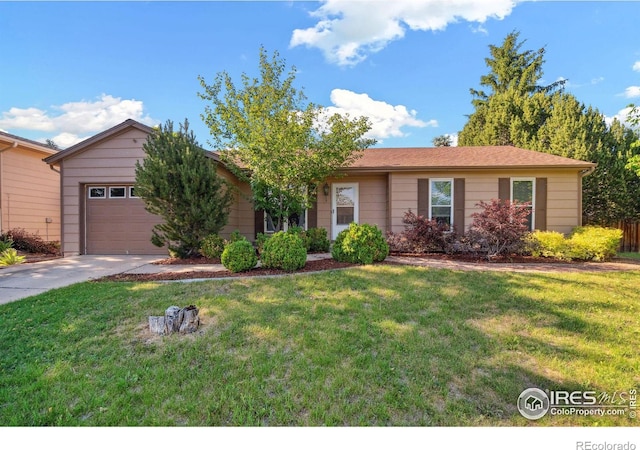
100,213
116,222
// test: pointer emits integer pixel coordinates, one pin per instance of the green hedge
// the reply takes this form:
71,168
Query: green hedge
589,243
286,251
239,256
212,246
360,244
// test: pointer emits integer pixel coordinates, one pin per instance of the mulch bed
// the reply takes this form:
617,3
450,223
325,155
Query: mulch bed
479,259
188,261
311,266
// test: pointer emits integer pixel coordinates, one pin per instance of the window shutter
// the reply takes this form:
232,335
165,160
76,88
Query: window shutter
423,197
312,216
541,204
458,204
504,189
259,221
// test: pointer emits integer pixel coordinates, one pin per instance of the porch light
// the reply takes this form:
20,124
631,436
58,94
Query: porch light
325,189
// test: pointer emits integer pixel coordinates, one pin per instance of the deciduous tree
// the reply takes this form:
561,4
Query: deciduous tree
269,135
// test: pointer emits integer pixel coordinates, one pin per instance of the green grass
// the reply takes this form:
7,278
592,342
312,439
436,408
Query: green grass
377,345
633,255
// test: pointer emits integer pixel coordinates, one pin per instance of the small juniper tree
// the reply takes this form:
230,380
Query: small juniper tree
178,182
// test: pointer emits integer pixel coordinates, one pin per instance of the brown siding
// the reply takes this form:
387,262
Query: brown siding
372,197
30,193
563,202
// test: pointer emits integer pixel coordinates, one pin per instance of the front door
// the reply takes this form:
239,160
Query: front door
344,206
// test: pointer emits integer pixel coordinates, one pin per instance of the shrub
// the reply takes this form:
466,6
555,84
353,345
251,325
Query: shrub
299,231
261,239
286,251
585,243
594,243
360,244
31,243
212,246
235,237
317,240
10,257
421,235
5,244
549,244
500,228
239,256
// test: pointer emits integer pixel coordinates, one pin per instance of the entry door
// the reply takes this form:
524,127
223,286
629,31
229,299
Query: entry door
344,206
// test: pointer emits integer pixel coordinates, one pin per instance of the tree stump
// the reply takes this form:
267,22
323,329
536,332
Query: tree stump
175,320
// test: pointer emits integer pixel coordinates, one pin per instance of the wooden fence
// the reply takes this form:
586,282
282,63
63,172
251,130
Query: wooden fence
631,236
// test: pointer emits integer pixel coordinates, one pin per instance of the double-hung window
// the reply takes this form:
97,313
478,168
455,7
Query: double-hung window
524,190
441,201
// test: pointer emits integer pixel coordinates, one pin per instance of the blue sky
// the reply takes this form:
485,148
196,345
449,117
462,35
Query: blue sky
72,69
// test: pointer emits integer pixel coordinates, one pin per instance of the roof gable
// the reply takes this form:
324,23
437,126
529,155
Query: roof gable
100,137
13,141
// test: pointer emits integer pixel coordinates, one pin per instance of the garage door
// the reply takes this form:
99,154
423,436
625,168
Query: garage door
117,223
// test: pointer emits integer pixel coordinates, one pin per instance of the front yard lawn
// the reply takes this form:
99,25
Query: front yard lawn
375,345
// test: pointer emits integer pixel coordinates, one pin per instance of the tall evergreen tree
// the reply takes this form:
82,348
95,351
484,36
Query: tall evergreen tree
518,111
178,182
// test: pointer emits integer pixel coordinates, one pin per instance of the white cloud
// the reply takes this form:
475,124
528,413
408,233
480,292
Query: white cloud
386,120
347,31
632,92
636,66
622,116
75,121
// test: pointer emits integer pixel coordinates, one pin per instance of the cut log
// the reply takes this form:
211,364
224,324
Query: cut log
172,319
190,319
156,324
175,320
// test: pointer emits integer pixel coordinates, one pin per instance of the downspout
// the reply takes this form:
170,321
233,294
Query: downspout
2,150
582,174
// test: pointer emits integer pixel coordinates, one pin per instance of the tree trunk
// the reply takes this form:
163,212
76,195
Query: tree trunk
175,320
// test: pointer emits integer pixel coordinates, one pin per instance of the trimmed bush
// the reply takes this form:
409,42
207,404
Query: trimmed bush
360,244
31,243
212,246
317,240
235,237
585,243
239,256
261,239
286,251
594,243
549,244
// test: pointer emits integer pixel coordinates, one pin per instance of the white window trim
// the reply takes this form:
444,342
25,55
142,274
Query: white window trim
97,187
117,187
533,196
431,180
130,190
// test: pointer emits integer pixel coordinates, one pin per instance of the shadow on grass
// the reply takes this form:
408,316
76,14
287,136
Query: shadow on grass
380,345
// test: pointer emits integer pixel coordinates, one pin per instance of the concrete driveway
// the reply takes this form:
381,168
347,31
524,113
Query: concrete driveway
25,280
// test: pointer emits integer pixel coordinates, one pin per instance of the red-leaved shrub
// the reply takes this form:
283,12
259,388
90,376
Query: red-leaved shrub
421,235
500,228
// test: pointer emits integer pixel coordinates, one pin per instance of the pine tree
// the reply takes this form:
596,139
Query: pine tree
178,182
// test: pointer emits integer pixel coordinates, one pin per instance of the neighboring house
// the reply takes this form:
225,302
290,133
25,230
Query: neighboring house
103,216
29,189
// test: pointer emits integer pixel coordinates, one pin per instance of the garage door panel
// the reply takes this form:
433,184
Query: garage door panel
117,226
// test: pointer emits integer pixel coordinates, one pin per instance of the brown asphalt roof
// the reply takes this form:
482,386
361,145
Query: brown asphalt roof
481,157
